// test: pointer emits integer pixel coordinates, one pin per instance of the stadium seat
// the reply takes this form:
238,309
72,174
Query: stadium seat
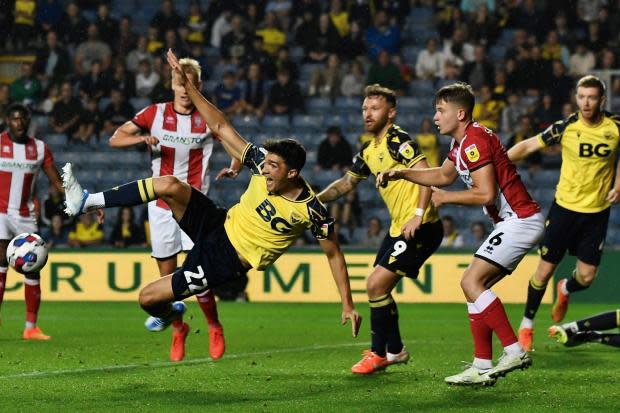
318,105
276,123
335,119
139,103
59,139
247,121
422,87
348,104
307,123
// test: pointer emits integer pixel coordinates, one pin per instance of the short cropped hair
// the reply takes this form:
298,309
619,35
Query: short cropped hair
459,93
293,153
190,65
592,81
378,90
18,107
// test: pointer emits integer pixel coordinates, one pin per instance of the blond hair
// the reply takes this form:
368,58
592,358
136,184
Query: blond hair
190,65
592,81
378,90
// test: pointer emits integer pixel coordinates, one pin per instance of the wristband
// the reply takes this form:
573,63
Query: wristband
419,212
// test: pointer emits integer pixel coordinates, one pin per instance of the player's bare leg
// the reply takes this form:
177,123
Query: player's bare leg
387,347
535,292
582,278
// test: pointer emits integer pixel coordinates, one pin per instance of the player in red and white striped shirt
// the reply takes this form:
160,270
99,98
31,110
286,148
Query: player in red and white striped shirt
21,159
478,157
180,143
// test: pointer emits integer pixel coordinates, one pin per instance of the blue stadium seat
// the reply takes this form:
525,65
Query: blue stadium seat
103,103
348,104
246,121
335,119
410,54
139,103
422,87
307,123
306,69
276,123
318,105
59,139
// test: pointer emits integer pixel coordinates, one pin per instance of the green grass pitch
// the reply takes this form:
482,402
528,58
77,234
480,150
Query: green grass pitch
282,357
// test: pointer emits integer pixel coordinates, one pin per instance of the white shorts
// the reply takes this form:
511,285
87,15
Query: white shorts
11,225
511,240
167,238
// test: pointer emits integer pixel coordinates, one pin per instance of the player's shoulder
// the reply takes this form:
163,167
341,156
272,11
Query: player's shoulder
614,117
396,136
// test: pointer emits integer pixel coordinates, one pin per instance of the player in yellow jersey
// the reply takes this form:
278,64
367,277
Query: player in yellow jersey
274,211
414,235
578,218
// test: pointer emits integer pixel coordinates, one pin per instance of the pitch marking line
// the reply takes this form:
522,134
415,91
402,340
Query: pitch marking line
157,364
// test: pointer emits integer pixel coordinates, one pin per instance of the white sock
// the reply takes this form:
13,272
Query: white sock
482,364
563,287
514,349
30,324
527,323
94,201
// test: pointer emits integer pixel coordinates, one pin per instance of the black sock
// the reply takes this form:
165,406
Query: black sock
394,342
379,322
535,293
610,339
573,285
603,321
134,193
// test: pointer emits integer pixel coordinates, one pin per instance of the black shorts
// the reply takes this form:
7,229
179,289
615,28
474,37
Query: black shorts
404,257
213,260
581,233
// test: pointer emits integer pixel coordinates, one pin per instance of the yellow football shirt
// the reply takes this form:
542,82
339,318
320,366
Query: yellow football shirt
588,157
262,226
429,143
395,150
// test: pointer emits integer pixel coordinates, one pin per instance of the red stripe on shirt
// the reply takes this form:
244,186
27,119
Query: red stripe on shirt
194,172
5,190
31,150
26,188
6,146
166,167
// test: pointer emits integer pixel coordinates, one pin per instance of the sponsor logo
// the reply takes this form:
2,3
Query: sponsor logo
183,140
406,150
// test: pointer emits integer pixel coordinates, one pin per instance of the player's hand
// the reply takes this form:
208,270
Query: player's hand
613,196
384,177
227,173
438,198
179,78
150,140
356,320
408,230
100,216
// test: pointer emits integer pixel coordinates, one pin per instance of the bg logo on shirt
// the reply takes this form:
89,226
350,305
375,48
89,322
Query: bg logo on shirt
472,153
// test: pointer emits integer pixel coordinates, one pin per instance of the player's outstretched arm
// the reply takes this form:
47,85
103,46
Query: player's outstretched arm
441,176
128,134
221,127
338,267
338,188
482,192
524,149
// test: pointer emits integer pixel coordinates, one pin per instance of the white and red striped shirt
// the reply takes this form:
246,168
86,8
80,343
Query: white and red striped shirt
481,147
20,164
185,144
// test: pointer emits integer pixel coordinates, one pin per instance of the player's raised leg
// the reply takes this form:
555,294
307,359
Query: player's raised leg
169,188
157,299
585,330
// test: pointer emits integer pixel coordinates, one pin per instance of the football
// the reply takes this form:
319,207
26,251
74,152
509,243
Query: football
27,253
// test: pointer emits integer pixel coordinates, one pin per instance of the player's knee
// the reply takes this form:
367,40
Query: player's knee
168,185
585,278
373,287
147,298
468,282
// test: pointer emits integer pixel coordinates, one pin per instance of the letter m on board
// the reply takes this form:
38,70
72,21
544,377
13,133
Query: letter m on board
302,270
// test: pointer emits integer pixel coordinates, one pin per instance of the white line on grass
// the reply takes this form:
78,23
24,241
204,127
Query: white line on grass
181,363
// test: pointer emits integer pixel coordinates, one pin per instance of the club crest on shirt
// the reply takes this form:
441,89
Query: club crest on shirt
472,153
406,150
296,218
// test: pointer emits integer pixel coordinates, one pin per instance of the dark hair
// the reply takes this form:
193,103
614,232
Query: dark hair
378,90
293,153
18,107
459,93
592,81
